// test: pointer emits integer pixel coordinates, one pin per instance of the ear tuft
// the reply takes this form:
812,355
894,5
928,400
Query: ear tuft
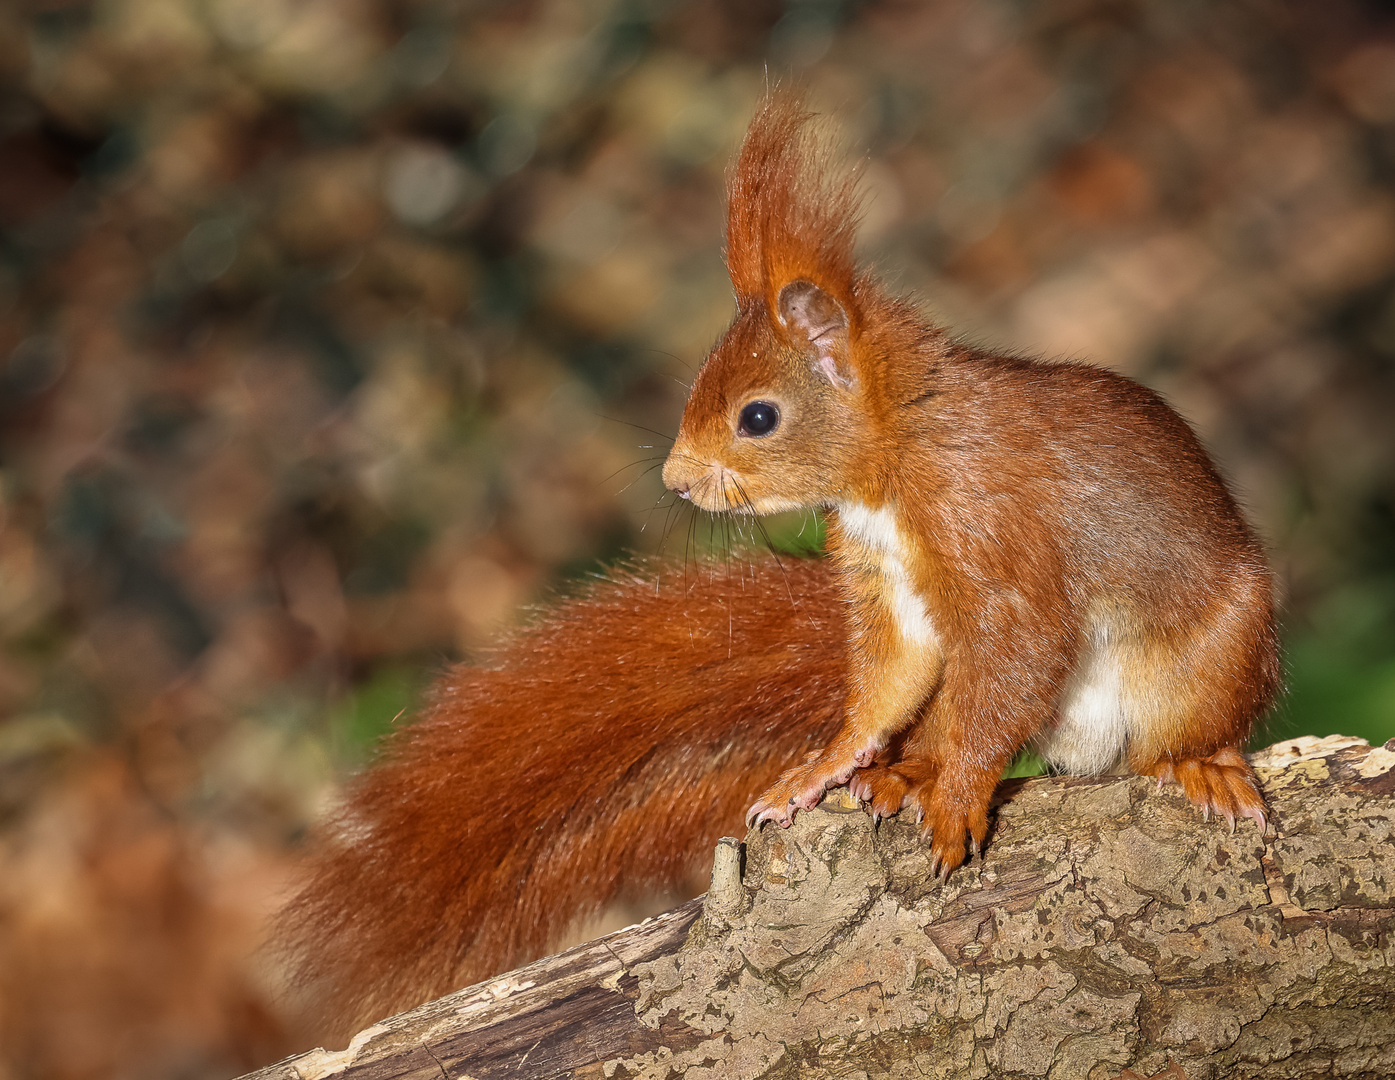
815,318
792,208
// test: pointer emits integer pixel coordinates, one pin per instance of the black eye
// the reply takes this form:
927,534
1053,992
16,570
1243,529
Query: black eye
758,418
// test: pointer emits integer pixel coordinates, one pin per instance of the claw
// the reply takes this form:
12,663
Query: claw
761,813
1258,815
1230,820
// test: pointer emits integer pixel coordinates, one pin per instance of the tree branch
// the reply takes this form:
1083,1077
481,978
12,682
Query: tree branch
1107,928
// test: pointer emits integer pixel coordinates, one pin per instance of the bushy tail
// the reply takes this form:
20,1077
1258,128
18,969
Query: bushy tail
599,757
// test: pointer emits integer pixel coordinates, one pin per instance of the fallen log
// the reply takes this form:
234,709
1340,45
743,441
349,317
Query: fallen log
1106,932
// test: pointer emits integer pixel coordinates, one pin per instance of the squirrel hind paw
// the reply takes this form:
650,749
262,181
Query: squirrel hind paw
1223,784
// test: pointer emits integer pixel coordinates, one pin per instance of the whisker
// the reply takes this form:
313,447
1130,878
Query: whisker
671,509
671,518
637,427
631,465
669,356
770,544
637,479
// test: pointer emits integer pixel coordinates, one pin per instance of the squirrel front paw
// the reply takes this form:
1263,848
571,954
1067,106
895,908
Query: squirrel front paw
801,788
882,789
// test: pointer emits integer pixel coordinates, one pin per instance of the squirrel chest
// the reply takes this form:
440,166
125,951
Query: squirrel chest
876,550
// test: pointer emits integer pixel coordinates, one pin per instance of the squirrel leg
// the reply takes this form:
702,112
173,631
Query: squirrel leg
1193,700
953,812
984,712
802,787
890,676
885,786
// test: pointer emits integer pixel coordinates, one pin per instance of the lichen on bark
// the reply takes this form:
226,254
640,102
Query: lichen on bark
1106,927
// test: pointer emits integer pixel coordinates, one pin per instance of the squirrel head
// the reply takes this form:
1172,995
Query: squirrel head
778,415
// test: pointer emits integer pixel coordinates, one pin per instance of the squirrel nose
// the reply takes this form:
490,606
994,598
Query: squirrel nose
674,468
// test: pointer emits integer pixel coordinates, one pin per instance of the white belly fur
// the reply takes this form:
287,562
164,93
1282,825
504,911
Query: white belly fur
1090,735
1093,726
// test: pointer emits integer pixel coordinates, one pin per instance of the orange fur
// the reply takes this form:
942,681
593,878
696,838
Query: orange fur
1020,552
601,755
1031,552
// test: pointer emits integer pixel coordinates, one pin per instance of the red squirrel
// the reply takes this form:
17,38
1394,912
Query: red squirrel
1031,553
1020,553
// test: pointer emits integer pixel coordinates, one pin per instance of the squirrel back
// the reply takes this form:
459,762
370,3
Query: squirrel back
599,755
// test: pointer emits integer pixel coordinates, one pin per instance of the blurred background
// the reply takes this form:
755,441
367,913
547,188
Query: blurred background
332,332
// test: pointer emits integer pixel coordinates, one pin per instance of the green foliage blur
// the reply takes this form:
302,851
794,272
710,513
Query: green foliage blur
372,709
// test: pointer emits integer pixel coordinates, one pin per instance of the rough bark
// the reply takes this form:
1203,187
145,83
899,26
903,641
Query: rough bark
1106,929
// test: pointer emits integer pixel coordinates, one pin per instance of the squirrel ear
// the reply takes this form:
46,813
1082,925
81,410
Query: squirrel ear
812,315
